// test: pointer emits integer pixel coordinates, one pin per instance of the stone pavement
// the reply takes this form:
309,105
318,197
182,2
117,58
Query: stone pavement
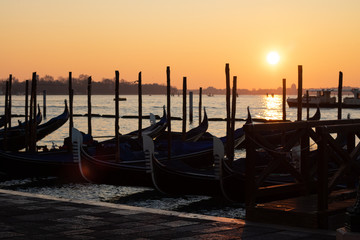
34,216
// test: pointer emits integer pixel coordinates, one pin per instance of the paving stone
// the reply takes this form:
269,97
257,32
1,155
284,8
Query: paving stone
124,212
78,231
88,217
26,216
179,223
10,234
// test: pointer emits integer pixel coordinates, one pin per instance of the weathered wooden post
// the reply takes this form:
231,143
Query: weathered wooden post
89,106
6,113
184,109
307,105
33,123
232,123
322,172
71,100
10,100
27,124
299,110
168,110
200,104
340,95
117,153
251,156
44,104
228,126
284,100
140,104
304,144
191,107
34,127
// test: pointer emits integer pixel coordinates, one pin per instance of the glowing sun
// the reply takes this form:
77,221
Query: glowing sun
273,58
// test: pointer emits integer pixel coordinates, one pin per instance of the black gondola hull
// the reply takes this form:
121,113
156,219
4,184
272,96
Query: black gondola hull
175,177
57,163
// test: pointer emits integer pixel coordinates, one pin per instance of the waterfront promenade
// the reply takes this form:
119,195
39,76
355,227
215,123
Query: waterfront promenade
34,216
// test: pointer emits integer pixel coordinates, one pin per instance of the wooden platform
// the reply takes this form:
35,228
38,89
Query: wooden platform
302,211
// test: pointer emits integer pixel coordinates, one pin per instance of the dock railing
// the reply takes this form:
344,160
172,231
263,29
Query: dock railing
315,155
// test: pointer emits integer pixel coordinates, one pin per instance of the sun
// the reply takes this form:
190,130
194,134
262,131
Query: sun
273,58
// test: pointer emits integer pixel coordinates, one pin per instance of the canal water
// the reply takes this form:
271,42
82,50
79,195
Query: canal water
267,107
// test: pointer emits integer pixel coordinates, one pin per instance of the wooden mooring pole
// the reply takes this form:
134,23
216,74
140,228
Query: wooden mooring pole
284,99
71,100
191,106
27,125
89,106
44,104
33,123
117,153
300,80
228,126
6,114
200,104
232,123
10,101
307,105
168,94
140,104
340,95
184,109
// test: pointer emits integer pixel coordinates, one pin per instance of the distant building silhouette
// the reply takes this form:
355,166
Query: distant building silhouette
106,87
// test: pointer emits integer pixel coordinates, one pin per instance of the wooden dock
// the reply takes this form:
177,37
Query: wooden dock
302,212
324,177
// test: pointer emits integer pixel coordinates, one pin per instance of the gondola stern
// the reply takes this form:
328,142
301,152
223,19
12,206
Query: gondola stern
77,141
148,147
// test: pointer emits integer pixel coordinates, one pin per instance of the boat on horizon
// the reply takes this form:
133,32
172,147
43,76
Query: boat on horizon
323,99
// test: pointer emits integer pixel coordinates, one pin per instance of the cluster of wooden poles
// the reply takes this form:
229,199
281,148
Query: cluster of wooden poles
230,107
33,106
30,118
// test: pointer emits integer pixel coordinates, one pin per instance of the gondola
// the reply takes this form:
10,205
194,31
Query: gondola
192,135
131,168
22,125
16,139
105,169
2,120
316,116
274,136
57,162
232,173
42,162
155,129
171,176
177,177
186,176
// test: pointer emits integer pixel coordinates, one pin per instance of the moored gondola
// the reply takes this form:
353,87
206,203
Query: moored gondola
108,170
172,176
22,125
57,162
98,162
43,162
15,139
155,129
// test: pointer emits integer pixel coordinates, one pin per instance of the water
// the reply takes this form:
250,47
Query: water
260,107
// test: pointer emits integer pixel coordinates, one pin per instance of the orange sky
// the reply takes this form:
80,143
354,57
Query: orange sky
194,38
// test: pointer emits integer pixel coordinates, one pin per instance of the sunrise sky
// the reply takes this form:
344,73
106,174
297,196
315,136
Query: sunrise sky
195,38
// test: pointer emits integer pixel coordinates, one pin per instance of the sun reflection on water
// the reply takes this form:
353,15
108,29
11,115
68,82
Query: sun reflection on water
273,107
